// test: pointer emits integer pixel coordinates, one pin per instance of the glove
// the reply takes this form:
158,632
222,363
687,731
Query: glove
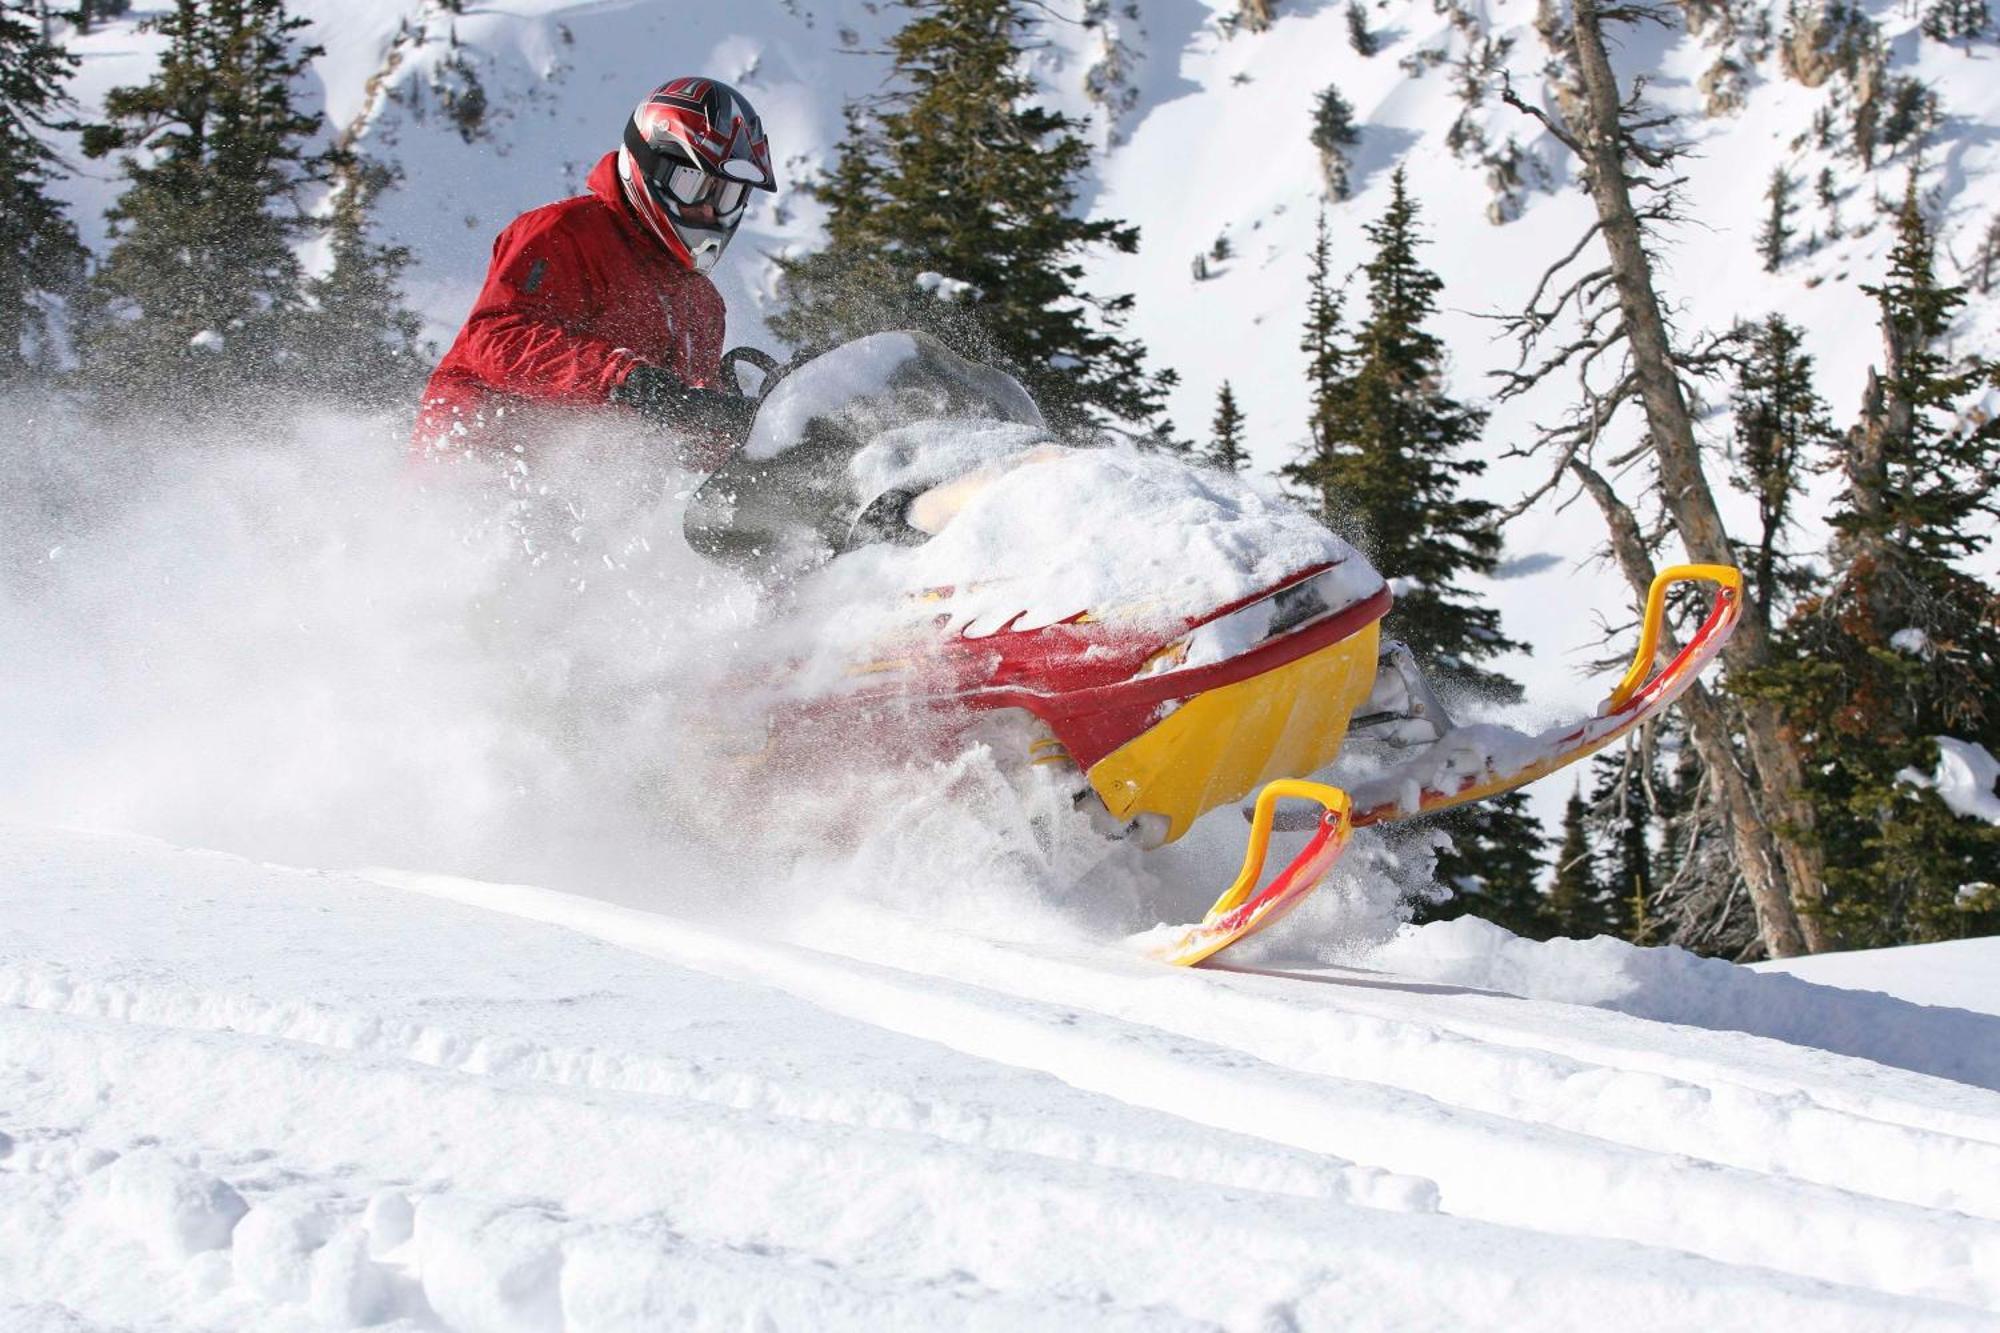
660,397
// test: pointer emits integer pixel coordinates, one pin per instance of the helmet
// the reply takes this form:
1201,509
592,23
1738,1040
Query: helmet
693,151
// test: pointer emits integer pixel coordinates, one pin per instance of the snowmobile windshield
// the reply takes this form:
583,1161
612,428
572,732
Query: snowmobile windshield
790,497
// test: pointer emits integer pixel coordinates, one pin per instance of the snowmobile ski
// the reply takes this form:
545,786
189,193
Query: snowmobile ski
1473,763
1465,763
1243,911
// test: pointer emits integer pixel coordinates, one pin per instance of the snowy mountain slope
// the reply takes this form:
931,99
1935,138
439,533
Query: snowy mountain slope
262,1101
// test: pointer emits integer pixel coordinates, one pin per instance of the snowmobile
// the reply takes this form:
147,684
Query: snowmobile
1167,635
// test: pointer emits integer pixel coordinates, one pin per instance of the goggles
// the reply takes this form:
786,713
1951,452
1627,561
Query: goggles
694,196
692,188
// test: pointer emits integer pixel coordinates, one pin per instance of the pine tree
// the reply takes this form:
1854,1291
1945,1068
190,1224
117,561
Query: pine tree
1227,450
1326,371
1903,645
1358,36
1775,238
1829,199
960,170
362,342
1387,462
201,279
1333,133
1913,110
1953,20
1575,907
1621,822
1781,425
44,256
88,12
1392,462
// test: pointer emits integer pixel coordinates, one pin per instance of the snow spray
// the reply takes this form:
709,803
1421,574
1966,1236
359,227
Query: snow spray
289,643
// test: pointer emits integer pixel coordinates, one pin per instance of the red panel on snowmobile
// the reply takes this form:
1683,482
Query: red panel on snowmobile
1089,698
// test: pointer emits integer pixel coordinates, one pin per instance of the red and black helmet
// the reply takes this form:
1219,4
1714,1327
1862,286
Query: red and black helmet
693,151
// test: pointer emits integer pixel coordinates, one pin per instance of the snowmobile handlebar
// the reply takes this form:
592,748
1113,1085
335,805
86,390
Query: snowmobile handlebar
767,365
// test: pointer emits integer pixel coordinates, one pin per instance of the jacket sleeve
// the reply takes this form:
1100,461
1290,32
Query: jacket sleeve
704,350
525,334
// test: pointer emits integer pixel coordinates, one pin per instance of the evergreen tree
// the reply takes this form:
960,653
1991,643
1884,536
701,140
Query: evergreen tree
1903,645
1781,425
1227,450
960,170
1621,821
88,12
1575,907
43,253
1776,236
1326,371
1386,462
1333,133
360,342
1358,36
201,279
1391,458
1829,199
1953,20
1913,109
1989,255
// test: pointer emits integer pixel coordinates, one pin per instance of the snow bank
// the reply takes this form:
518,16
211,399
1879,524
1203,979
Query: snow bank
1959,974
1675,986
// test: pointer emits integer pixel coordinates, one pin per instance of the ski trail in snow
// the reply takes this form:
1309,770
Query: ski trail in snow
1123,1028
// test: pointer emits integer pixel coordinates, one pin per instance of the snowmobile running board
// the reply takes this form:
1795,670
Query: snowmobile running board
1467,763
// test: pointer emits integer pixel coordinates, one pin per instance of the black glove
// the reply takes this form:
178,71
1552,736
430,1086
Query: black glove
659,397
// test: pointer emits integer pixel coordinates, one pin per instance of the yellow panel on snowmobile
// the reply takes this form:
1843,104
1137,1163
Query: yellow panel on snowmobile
1219,745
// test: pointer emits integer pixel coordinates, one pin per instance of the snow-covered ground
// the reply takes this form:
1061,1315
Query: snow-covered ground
236,1095
1959,974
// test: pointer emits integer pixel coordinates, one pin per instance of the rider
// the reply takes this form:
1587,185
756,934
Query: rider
604,297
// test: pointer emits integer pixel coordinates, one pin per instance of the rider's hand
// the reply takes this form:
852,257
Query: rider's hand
660,397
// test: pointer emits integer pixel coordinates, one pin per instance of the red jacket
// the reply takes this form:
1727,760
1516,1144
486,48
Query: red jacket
576,296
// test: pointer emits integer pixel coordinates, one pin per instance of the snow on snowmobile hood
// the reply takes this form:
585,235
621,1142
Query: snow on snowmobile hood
1115,534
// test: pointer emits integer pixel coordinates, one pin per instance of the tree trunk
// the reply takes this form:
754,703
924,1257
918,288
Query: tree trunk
1759,856
1791,882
